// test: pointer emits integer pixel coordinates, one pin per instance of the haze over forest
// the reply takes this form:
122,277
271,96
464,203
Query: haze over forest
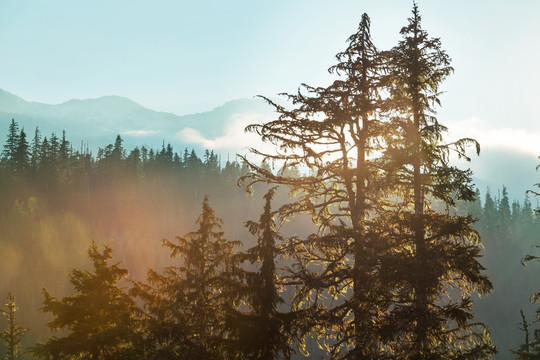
358,215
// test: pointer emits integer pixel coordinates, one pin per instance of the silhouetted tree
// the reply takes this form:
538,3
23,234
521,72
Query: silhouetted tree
21,158
263,332
12,142
98,320
399,256
186,304
439,251
336,133
530,349
35,149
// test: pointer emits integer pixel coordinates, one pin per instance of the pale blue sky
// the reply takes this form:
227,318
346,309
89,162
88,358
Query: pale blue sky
191,56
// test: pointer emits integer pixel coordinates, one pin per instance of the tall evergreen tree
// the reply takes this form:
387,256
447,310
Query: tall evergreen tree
12,141
118,152
186,304
21,158
490,216
530,349
14,332
440,251
505,216
263,332
35,150
336,133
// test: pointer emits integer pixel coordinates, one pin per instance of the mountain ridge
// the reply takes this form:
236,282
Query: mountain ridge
98,120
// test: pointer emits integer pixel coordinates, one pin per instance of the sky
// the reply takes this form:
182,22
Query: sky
187,56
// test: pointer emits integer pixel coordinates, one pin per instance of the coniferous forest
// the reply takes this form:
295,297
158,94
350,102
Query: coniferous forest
361,236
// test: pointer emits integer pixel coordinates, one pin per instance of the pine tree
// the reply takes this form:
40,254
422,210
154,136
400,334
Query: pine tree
134,165
54,147
64,159
98,320
263,332
35,150
336,133
13,334
10,147
21,158
490,217
439,250
505,216
186,304
536,191
118,152
530,349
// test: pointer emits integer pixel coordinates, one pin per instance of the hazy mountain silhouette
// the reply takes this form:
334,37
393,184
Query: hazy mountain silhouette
98,121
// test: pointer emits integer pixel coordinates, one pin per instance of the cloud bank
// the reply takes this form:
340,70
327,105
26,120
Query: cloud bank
234,138
140,132
503,138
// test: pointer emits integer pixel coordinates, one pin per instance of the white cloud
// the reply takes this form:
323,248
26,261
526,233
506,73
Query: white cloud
140,132
234,137
502,138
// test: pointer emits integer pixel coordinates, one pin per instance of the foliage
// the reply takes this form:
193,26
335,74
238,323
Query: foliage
14,332
439,251
335,132
381,252
98,320
530,349
263,331
185,304
388,267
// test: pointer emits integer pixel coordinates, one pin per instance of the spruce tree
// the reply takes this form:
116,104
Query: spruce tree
186,304
336,133
530,349
35,150
439,251
98,321
21,158
10,147
381,251
490,217
14,332
263,332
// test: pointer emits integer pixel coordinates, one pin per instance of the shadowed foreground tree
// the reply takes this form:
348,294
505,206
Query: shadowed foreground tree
264,332
14,332
97,322
185,306
438,255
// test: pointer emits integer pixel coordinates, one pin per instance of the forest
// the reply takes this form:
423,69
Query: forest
362,236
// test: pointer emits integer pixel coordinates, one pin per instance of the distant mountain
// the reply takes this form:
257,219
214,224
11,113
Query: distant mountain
98,121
